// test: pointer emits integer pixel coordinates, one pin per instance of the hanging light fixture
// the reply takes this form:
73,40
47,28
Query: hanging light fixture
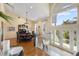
26,19
27,15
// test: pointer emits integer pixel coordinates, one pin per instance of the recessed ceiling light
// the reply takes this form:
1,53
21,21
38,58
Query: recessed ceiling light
31,7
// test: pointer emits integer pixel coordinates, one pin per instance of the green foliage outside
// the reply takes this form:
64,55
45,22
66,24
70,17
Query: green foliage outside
66,37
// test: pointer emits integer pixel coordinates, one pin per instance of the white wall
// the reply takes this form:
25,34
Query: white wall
14,23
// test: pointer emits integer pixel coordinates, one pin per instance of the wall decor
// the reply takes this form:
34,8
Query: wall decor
11,29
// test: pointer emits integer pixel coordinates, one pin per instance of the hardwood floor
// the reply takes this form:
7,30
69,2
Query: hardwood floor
29,49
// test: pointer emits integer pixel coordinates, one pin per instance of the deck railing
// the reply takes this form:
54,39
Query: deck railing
58,38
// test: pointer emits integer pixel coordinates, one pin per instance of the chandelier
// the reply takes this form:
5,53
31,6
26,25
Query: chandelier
27,15
26,19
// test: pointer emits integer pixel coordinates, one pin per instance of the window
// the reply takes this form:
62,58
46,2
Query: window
69,16
66,37
63,18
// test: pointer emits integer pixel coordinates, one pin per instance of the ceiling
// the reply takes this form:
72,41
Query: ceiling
34,10
60,7
37,10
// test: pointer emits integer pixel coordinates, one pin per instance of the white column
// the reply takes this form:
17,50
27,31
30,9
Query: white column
77,34
61,38
77,14
71,39
50,18
36,41
53,30
52,37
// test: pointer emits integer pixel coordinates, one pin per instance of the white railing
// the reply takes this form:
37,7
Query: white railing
71,28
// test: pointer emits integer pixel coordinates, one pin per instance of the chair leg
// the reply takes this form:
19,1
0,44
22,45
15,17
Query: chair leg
21,53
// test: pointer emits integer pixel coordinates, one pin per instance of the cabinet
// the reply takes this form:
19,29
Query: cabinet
23,33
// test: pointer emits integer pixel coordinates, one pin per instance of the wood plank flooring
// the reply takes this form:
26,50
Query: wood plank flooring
29,49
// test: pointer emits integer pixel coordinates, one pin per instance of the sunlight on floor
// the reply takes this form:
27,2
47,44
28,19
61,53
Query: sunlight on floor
53,51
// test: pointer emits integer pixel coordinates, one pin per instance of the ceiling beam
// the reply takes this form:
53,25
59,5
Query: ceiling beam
66,9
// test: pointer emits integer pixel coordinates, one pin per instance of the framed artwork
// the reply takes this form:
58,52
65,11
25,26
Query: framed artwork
11,29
